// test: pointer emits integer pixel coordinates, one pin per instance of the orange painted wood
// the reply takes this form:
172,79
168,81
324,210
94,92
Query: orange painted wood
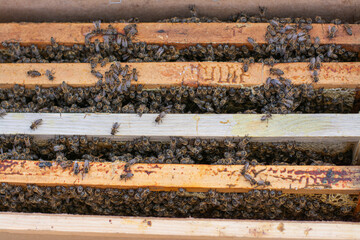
153,75
166,177
178,34
357,209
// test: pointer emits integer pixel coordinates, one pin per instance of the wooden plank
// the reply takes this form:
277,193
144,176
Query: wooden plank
289,127
356,106
41,226
112,10
153,75
357,209
194,178
178,34
356,154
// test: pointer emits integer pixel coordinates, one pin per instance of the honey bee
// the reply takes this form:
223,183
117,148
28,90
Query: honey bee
93,63
27,141
135,74
53,43
276,71
76,168
348,29
252,42
2,113
33,73
312,63
130,30
274,23
44,164
97,74
159,52
318,19
266,117
316,42
246,63
114,128
50,75
318,62
262,11
315,76
86,166
58,148
263,183
245,168
97,26
229,143
124,71
249,178
332,31
126,176
34,125
141,109
346,210
336,21
160,117
104,61
193,11
131,162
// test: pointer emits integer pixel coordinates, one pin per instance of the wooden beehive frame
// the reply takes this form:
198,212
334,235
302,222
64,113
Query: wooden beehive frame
59,226
113,10
290,127
178,34
194,178
154,75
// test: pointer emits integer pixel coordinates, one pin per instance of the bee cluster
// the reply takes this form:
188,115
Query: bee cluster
242,17
114,95
143,52
65,150
194,18
255,204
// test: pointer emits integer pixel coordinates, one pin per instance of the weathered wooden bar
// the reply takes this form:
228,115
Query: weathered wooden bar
177,34
60,226
168,74
193,178
289,127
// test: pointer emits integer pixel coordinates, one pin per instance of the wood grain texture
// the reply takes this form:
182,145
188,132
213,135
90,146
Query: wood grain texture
357,209
178,34
40,226
298,127
154,75
356,154
112,10
194,178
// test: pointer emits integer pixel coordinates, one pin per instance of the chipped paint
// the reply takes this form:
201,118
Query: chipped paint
223,122
226,178
197,119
